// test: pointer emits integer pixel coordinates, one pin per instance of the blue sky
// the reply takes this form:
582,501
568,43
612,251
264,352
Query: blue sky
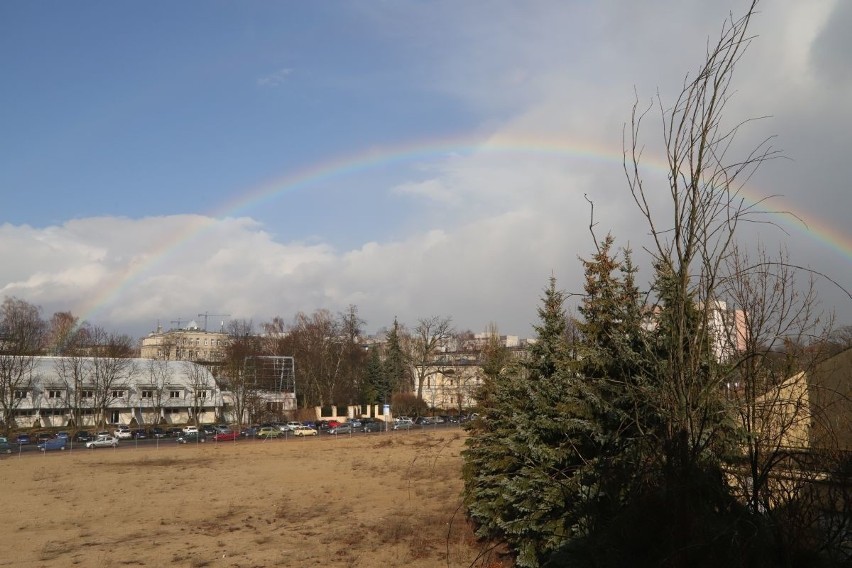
131,131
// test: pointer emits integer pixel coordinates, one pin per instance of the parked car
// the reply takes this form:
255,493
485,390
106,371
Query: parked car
209,429
344,428
189,429
304,431
158,432
404,419
174,432
250,431
5,446
355,423
268,432
63,434
403,426
139,434
224,428
82,436
43,437
373,426
192,437
293,425
123,433
53,444
103,442
23,439
226,436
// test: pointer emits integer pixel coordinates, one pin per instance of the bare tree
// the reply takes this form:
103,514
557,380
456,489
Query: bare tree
768,384
22,334
317,346
430,336
62,333
239,370
108,371
691,243
200,385
157,389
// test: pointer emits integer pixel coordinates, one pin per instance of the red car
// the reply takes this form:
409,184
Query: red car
226,436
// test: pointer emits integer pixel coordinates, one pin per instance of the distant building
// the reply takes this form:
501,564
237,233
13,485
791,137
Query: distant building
727,328
187,344
452,381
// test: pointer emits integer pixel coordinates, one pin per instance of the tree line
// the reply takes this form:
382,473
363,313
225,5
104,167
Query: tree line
334,364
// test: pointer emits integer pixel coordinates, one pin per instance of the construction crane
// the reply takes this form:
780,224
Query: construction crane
207,314
177,321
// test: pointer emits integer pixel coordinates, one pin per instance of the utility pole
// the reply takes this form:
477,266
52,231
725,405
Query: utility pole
206,315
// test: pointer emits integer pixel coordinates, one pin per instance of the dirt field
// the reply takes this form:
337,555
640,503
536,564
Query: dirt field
381,500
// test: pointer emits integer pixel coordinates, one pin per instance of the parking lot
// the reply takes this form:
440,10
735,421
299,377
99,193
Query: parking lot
247,436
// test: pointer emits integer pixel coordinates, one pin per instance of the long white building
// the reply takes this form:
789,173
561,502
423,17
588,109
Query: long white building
86,392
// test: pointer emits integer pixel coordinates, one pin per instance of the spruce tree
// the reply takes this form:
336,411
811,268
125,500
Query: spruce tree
524,457
396,369
375,388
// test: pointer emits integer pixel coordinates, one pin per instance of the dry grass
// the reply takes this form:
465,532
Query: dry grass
382,500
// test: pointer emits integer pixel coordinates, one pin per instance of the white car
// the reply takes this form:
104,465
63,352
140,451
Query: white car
190,429
123,433
292,426
103,442
304,431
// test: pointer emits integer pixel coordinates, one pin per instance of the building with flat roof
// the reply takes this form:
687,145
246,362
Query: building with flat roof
86,392
185,344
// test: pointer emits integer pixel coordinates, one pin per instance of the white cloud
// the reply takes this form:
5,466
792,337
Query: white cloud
274,79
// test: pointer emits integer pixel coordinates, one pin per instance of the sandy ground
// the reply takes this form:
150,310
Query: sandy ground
380,500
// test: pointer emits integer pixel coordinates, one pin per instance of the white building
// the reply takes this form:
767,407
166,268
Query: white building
85,392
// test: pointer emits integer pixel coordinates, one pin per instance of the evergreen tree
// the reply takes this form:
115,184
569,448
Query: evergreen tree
396,369
524,457
375,388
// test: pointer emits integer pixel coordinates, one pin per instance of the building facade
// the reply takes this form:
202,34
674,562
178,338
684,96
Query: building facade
187,344
84,392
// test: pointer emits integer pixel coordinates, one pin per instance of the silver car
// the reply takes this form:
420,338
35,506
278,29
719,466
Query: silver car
103,442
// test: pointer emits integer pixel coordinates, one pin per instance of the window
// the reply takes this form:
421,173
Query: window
174,394
87,394
147,394
205,342
117,394
201,394
54,394
20,394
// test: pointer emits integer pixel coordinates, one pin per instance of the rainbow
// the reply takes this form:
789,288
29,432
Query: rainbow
412,152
